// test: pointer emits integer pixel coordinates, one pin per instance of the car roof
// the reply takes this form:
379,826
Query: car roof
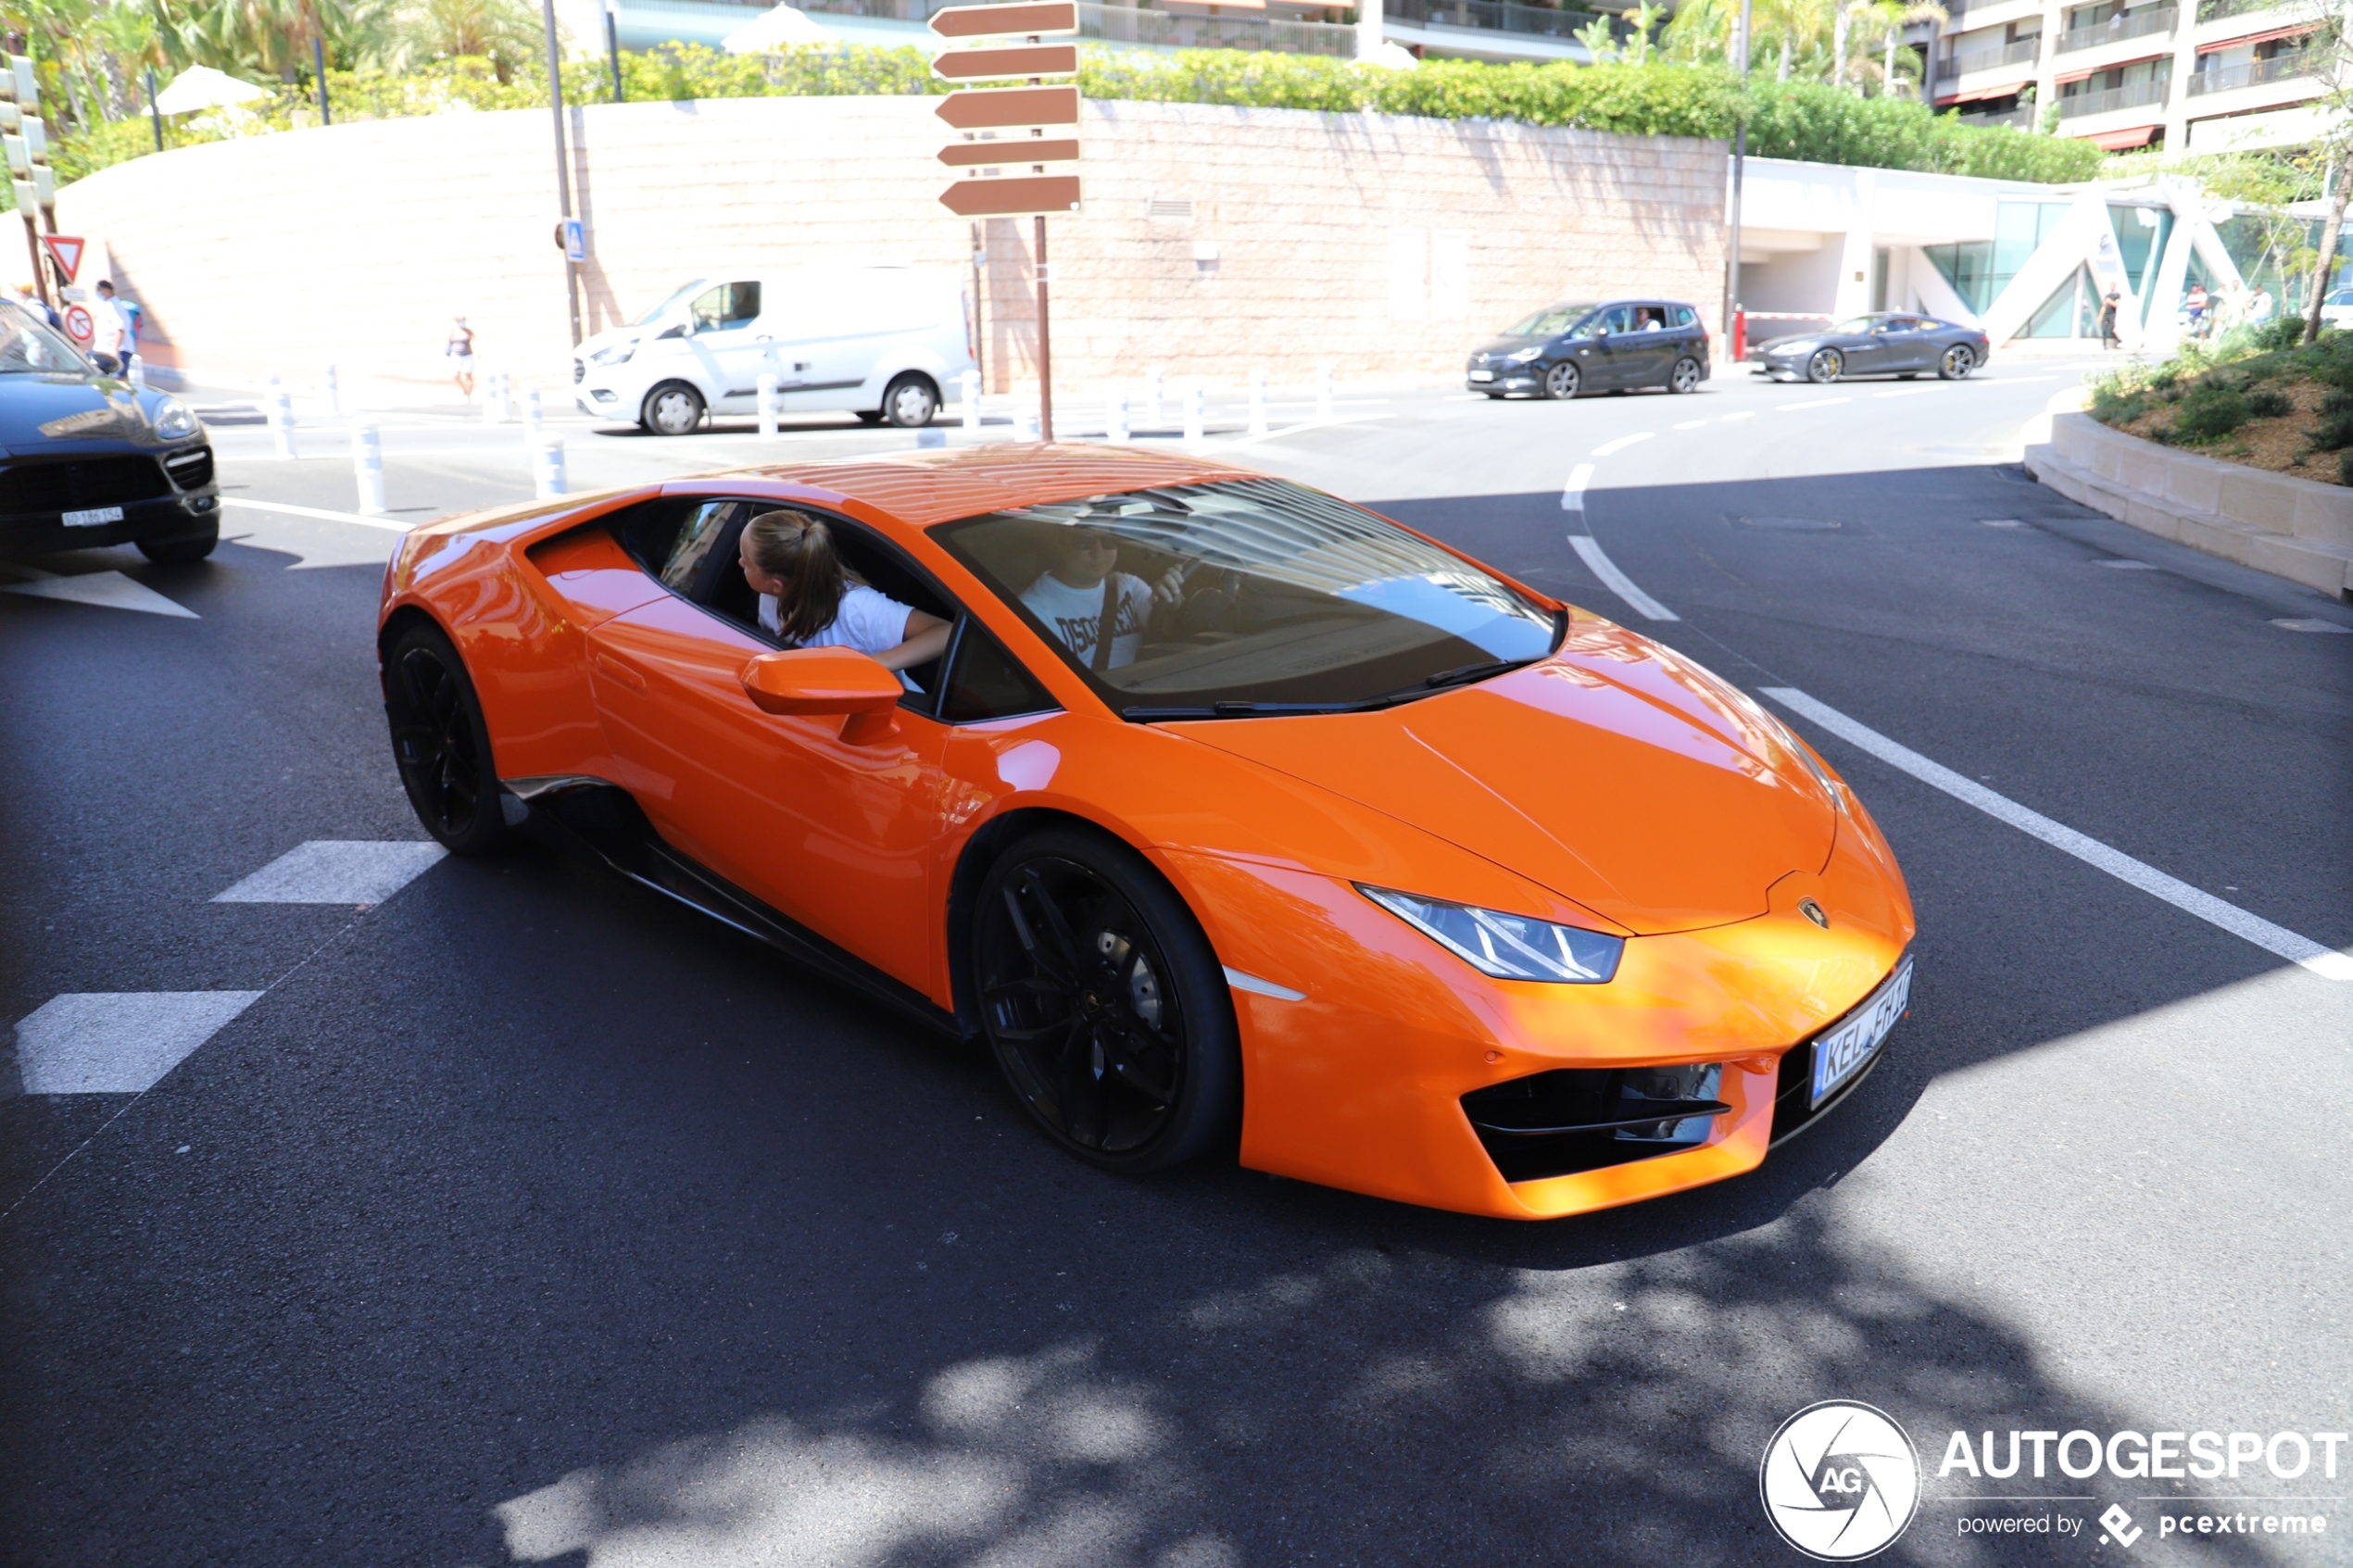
923,488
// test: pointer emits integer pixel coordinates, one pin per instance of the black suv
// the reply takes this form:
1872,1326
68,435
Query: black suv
1565,350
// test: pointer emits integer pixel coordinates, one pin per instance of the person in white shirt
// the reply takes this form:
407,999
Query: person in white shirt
1081,593
808,600
109,328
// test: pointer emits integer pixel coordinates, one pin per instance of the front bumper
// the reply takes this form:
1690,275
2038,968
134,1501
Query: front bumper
36,496
1506,376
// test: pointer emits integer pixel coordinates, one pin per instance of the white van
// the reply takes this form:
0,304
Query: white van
885,343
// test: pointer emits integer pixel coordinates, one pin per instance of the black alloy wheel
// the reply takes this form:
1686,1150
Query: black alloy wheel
911,401
1561,382
179,552
440,743
672,408
1825,367
1685,376
1106,1010
1957,362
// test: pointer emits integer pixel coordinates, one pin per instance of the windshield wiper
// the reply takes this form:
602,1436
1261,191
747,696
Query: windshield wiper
1245,710
1465,674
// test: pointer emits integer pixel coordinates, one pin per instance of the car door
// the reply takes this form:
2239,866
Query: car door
1594,346
1644,353
725,334
845,330
1905,343
1864,353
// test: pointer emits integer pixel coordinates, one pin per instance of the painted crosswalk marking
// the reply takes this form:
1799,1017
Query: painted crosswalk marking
336,872
108,590
118,1042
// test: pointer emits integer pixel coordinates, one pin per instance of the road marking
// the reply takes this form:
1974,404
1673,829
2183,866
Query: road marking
2322,626
1590,551
2000,522
393,523
1573,493
2253,928
109,590
1690,424
1290,430
1607,448
336,872
2125,565
118,1042
1813,402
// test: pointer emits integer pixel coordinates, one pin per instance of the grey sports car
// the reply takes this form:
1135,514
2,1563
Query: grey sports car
1882,343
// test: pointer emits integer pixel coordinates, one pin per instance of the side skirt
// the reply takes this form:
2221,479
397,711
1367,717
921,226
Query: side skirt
600,820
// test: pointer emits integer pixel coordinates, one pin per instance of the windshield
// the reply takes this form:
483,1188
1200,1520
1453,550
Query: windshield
1857,324
29,345
1547,322
1249,595
681,292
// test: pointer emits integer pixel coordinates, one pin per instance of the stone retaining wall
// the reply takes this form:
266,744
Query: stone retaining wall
1214,239
2296,528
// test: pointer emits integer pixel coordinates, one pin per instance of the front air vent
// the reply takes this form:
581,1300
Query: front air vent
1581,1119
191,468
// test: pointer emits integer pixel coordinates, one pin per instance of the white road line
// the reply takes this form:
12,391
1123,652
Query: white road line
1590,551
1813,402
1623,442
1690,424
393,523
1289,430
2091,851
118,1042
336,872
1573,493
109,590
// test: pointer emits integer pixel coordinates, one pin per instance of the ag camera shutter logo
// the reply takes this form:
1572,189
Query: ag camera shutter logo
1840,1481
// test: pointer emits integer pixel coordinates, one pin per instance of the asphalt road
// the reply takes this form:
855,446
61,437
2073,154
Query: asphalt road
519,1216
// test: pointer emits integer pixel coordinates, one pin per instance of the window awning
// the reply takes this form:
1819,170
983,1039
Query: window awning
2063,78
1980,93
2254,38
2117,141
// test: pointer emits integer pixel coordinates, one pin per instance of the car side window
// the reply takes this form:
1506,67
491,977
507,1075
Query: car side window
705,526
1617,318
985,681
1685,316
729,305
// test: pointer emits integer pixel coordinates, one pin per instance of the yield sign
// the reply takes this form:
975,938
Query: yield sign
66,251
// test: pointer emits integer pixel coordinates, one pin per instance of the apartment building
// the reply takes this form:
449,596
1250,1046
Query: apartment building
2197,75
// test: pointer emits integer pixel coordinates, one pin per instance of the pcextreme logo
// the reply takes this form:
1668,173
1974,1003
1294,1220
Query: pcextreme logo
1840,1481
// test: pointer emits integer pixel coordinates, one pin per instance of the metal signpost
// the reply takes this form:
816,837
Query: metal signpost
1012,142
563,173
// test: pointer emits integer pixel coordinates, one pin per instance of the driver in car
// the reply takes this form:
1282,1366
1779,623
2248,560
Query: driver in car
1098,611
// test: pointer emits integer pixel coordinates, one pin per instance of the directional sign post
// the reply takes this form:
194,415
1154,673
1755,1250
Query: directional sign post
1013,143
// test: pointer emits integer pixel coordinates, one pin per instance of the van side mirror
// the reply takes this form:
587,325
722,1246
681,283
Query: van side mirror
677,331
816,682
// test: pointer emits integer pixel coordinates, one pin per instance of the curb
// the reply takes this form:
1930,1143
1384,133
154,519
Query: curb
2145,490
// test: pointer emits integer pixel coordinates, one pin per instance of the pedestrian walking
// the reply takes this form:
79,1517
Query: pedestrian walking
109,329
2260,305
460,349
28,300
2195,305
2107,319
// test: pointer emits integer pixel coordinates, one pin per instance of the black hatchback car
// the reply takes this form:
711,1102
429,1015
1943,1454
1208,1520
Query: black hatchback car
87,459
1614,345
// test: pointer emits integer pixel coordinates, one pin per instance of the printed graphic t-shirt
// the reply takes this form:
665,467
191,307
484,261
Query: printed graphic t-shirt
1076,615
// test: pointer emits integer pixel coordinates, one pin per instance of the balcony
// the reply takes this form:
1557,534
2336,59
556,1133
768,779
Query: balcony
2018,54
2279,67
2117,30
1497,16
2022,117
1146,24
2133,95
2216,10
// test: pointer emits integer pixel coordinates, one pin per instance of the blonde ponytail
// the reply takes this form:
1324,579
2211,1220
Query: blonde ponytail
798,549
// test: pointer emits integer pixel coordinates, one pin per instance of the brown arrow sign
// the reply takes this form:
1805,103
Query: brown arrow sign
1034,195
1013,153
991,22
998,108
1022,60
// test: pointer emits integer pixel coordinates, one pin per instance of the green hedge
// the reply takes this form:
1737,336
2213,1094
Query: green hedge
1795,119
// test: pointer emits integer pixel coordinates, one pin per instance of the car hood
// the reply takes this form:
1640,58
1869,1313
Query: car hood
40,409
1502,346
1793,345
1615,774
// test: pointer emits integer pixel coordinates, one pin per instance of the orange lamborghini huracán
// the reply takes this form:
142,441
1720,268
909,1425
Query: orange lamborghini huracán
1228,807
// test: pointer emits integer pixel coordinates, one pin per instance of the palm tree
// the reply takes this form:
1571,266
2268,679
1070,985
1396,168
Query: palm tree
1894,17
504,32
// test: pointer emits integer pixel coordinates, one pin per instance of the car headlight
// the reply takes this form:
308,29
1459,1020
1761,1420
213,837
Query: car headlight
1522,356
173,418
614,353
1507,946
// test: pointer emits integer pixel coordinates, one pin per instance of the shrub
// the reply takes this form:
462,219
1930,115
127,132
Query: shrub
2269,403
2209,410
2274,337
2334,433
2345,468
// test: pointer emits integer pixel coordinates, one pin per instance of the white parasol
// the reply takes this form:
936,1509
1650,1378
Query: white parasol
201,87
782,28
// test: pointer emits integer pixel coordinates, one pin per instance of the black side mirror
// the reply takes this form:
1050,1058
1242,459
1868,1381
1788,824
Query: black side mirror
678,330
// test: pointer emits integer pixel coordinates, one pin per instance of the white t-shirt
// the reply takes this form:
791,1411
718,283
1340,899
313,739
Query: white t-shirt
1076,615
869,621
108,326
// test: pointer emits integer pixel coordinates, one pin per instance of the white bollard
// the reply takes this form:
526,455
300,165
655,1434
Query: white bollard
1195,400
547,468
496,409
531,414
970,386
139,373
767,384
1258,402
1323,392
1152,384
368,467
1028,428
1115,419
281,427
331,390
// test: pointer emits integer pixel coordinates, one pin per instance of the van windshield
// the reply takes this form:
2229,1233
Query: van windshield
1248,597
675,297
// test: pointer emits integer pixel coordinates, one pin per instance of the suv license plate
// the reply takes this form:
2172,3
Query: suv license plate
1842,1052
92,518
1482,375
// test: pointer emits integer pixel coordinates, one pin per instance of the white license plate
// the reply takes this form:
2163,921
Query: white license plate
92,518
1842,1052
1482,375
